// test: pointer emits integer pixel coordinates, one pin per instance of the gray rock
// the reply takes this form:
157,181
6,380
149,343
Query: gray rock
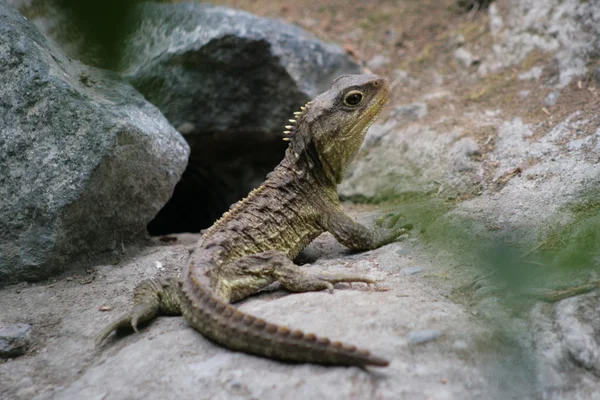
412,270
551,99
57,23
570,30
417,337
568,354
398,164
224,70
15,339
461,154
496,22
168,359
85,160
455,41
578,323
230,81
402,76
409,112
378,61
465,57
534,73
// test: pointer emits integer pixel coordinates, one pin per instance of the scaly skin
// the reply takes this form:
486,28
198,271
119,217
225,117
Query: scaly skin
253,244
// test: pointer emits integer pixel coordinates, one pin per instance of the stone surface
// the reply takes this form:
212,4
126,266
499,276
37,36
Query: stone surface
539,197
221,70
417,337
410,159
528,216
85,161
412,270
229,81
503,193
409,112
551,99
569,30
169,359
14,339
378,61
464,57
78,27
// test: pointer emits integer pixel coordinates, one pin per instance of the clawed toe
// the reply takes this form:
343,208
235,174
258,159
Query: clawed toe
328,286
332,279
130,320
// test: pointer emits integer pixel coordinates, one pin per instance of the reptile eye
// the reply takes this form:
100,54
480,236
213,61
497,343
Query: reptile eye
353,98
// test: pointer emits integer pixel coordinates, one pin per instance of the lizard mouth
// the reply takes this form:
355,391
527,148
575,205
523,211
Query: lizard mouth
372,112
357,132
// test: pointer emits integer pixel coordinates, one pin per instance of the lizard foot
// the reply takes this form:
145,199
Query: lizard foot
139,314
389,227
296,280
150,297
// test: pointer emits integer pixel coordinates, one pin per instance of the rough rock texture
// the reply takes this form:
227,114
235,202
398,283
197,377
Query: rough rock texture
85,161
565,337
79,28
530,216
229,81
169,359
410,159
558,169
570,30
212,69
502,187
15,339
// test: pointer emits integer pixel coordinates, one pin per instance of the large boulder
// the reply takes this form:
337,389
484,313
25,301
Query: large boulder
228,81
85,161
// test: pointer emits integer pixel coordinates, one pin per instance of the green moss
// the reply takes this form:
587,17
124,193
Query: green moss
419,209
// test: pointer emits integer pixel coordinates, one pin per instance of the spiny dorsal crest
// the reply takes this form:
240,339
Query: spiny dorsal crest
291,129
233,211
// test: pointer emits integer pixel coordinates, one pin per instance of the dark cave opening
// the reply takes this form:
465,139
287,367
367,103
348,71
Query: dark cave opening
219,173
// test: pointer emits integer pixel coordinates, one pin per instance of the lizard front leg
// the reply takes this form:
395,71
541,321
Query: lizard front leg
358,237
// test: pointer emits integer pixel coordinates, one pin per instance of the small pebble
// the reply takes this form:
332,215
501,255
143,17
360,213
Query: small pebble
551,99
409,112
378,61
402,251
15,339
524,93
412,270
424,336
465,57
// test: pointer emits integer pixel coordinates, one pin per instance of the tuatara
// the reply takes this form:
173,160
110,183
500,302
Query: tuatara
254,243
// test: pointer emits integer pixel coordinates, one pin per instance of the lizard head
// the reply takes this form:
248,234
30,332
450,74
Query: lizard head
330,129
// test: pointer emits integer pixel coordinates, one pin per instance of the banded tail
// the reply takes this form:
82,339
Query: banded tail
226,325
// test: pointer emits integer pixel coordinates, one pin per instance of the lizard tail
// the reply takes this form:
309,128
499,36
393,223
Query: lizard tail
226,325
